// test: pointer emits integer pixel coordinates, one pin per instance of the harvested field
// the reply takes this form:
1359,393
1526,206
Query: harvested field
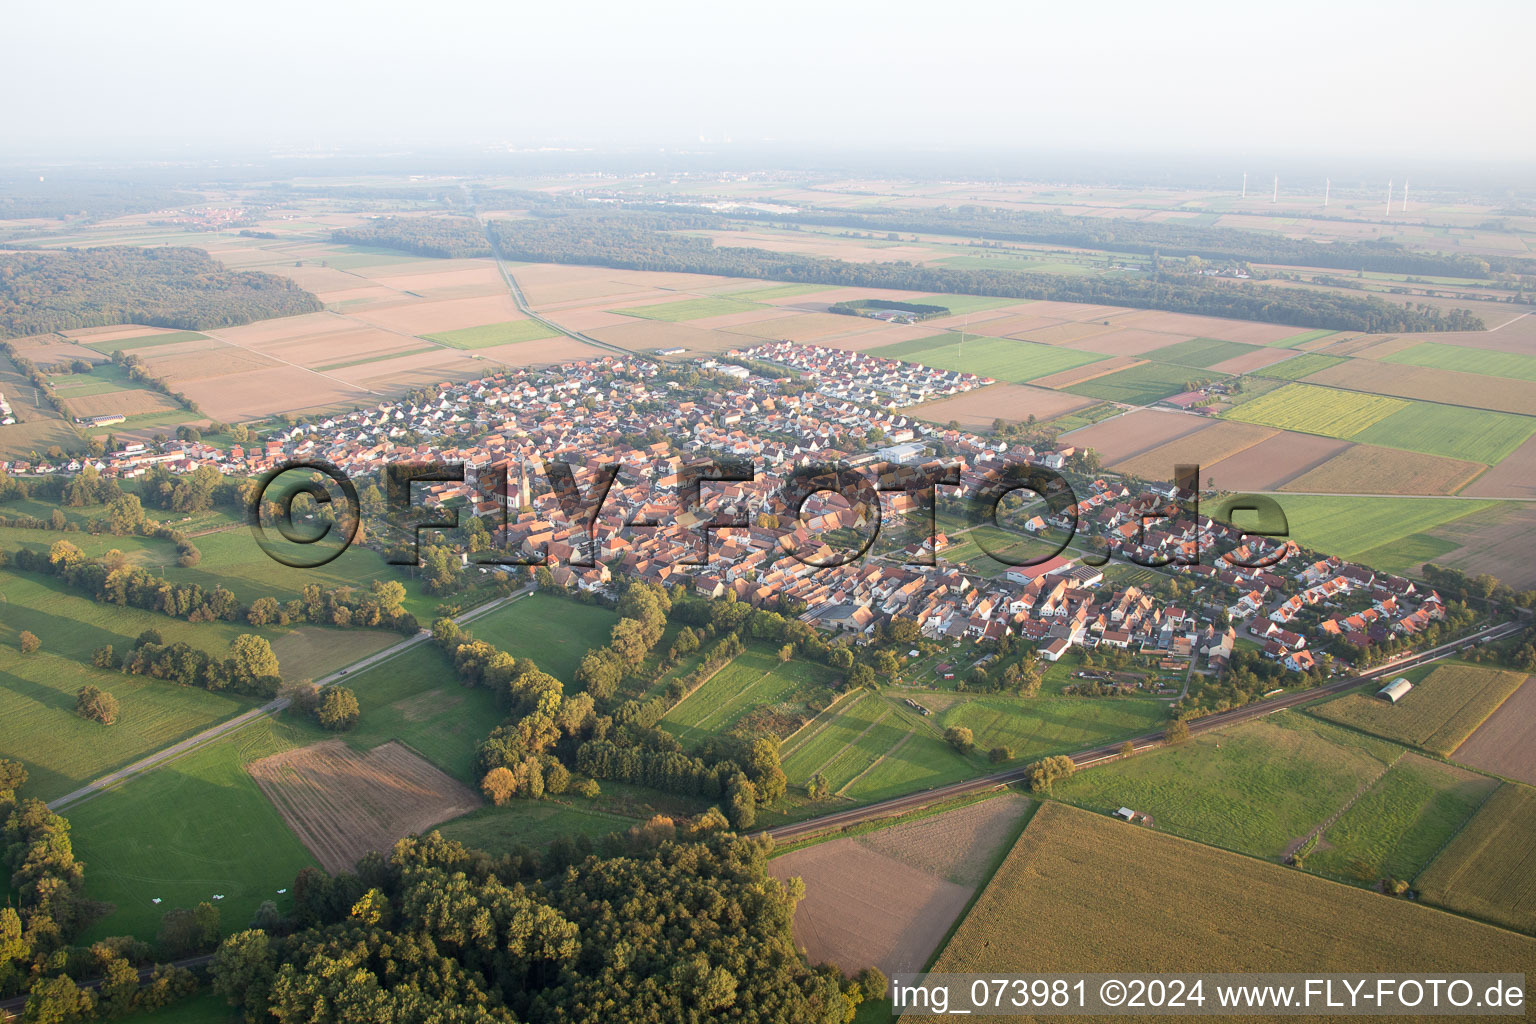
1204,352
1127,436
489,335
1257,359
1513,477
1506,743
644,335
1369,469
998,358
1495,538
541,353
218,362
888,898
1272,462
255,395
1009,325
1082,892
806,327
422,318
343,803
1247,332
1315,410
758,314
1067,333
1430,385
1437,715
1078,311
1122,342
1092,371
976,410
1210,444
680,310
129,402
885,334
1489,870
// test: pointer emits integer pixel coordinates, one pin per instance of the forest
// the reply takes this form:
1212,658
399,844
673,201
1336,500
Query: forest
645,242
439,237
171,286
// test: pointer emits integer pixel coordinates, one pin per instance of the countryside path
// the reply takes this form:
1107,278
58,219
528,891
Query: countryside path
272,707
1083,759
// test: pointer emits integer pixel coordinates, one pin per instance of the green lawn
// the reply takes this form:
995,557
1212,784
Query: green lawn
489,335
1139,385
998,358
1201,352
691,309
1039,726
187,831
1349,527
1467,360
1395,829
1253,788
555,632
754,678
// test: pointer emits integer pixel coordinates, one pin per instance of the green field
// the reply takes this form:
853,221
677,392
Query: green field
1466,360
1081,892
1201,352
1401,823
489,335
754,678
1489,870
187,831
1403,555
998,358
959,305
1254,788
554,631
1316,410
1349,527
1300,366
869,747
146,341
1476,435
533,823
37,692
1138,385
1437,715
1035,727
691,309
1303,338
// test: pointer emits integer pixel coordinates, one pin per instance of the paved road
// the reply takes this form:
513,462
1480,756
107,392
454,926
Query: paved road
1085,758
272,707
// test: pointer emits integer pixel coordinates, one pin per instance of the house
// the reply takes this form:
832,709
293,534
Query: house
1055,649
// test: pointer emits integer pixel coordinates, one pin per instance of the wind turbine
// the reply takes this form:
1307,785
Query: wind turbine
1327,184
1389,197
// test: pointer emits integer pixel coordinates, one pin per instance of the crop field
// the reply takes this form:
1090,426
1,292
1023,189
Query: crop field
1082,892
959,305
1036,726
754,678
152,338
691,309
868,747
1138,385
998,358
343,803
1437,715
1364,468
1489,870
977,410
1256,788
555,632
1315,410
1300,366
1506,743
1213,442
1202,352
1476,435
888,897
1351,527
190,830
1397,826
1120,437
1467,360
1442,387
490,335
1297,340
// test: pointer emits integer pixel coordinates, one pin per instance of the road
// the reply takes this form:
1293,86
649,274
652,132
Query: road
272,707
1086,758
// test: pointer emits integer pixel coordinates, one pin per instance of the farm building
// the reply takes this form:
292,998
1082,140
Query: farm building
1395,690
1023,574
1055,649
1125,814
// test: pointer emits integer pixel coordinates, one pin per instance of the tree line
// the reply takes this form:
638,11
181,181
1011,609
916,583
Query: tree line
439,237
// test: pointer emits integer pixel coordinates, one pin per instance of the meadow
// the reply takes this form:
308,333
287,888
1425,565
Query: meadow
1082,892
755,678
1437,715
1398,826
1315,410
1037,726
998,358
1138,385
1255,788
1351,526
555,632
1489,870
490,335
691,309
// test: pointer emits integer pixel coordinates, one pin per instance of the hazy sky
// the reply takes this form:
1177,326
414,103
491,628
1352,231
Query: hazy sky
1393,78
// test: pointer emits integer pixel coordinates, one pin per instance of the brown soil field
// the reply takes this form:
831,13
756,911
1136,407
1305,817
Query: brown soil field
540,352
129,402
1078,311
1103,368
266,331
261,393
1509,335
1368,469
887,899
886,334
1126,436
1389,346
456,284
819,301
808,327
424,269
751,316
1068,333
586,318
1506,743
1127,342
1347,344
1449,386
975,410
44,353
1220,439
194,366
1272,462
443,361
1250,361
1495,540
1514,477
89,334
546,284
644,335
367,297
1210,327
323,280
1010,325
342,803
453,315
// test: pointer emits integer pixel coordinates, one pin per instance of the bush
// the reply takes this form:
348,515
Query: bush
1178,732
589,789
997,755
28,642
96,704
1044,773
961,738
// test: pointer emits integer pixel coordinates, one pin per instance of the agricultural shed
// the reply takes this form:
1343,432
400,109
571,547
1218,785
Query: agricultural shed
1395,690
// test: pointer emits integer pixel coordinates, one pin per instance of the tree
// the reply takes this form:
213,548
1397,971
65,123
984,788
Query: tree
818,788
1044,773
997,755
499,785
96,705
58,1000
1127,748
251,657
338,710
786,652
242,969
961,738
1177,732
28,642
